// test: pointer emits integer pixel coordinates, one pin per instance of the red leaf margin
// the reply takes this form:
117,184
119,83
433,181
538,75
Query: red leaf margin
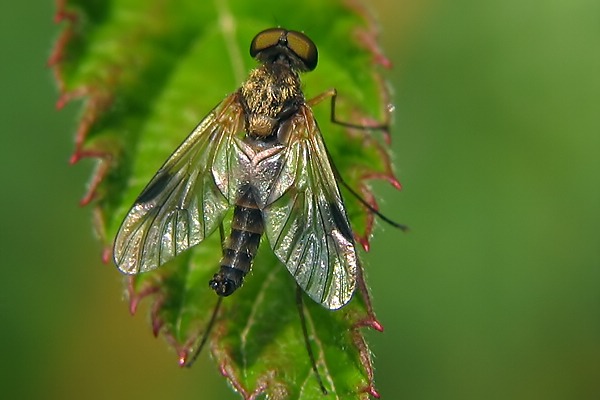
98,99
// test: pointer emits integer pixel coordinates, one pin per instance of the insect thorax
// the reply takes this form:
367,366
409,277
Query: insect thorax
272,93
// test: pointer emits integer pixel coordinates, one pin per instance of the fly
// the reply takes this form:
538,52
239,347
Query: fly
261,153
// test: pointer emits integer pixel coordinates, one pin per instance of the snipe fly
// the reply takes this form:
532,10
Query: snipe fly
261,153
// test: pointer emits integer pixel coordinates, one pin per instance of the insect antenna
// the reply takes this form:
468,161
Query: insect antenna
311,355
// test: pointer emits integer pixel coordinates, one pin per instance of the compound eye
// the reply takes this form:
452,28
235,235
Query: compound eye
272,42
304,48
266,39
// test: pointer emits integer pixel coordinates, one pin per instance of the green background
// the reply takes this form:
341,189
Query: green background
492,295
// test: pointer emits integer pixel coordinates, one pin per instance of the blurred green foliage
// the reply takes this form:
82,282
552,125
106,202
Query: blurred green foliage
492,295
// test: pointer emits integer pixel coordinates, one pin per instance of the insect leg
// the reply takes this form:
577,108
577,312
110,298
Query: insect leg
365,203
222,234
311,355
332,93
206,333
213,317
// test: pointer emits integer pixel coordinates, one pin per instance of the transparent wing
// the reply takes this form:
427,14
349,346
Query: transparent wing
182,204
305,219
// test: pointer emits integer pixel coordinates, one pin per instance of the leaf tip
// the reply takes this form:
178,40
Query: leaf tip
62,14
370,322
372,391
134,299
136,295
106,254
395,182
157,321
62,101
369,40
182,358
99,175
75,157
364,242
369,35
376,325
227,371
57,53
157,324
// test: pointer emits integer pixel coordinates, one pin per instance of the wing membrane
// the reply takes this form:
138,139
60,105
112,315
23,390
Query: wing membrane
182,204
306,224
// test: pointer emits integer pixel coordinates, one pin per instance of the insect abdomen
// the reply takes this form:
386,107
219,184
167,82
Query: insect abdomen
241,246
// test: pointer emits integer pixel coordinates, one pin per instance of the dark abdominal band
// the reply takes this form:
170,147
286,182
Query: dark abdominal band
241,246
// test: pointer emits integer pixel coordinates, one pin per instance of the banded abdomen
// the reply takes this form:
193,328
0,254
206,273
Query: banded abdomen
240,247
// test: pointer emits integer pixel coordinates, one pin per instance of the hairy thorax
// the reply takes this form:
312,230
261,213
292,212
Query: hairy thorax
271,94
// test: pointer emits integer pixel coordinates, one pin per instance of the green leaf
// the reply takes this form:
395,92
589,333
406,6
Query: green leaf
148,72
